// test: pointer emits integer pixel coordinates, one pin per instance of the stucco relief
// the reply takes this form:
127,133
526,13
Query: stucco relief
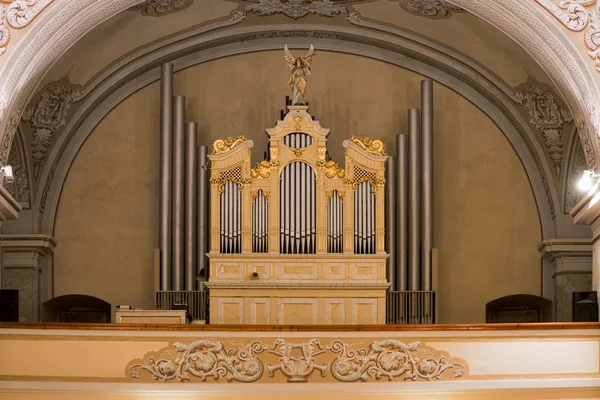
296,8
158,8
348,362
548,116
429,8
47,116
17,14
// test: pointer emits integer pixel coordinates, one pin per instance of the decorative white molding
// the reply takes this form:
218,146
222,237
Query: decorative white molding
158,8
208,358
570,13
429,8
549,117
296,8
17,14
46,117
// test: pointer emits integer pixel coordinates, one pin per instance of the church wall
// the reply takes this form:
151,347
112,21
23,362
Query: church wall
486,222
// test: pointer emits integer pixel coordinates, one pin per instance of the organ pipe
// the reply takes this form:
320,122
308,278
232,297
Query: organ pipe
178,193
402,212
427,182
202,215
390,220
414,238
191,191
166,138
297,210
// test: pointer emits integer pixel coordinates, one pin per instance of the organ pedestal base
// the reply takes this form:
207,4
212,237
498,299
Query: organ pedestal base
327,289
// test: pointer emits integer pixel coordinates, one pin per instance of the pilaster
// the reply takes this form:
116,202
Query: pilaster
568,268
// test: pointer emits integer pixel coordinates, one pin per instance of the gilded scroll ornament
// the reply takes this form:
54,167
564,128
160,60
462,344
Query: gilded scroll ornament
262,170
371,146
391,359
298,152
223,146
204,359
332,169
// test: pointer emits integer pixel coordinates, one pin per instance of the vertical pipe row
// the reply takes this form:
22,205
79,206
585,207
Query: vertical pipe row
414,221
178,193
402,213
202,215
166,143
390,220
191,192
427,181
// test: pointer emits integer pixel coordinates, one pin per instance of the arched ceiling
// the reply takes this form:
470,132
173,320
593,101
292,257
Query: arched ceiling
155,25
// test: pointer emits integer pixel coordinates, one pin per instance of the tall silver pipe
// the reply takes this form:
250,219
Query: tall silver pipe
402,212
178,193
427,181
191,193
414,222
390,220
203,225
166,148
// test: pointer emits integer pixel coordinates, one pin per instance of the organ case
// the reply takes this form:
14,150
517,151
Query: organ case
297,239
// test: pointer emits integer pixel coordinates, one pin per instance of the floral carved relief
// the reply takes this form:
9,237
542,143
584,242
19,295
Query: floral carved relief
296,8
47,116
548,116
298,362
158,8
429,8
17,14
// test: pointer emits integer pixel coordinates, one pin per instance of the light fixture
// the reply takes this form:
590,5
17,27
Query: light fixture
587,180
8,174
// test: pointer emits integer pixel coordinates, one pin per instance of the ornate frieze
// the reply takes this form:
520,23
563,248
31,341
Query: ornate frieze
347,362
549,117
429,8
17,14
296,8
158,8
46,117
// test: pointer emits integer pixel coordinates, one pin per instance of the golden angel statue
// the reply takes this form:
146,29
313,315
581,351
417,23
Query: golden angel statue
300,67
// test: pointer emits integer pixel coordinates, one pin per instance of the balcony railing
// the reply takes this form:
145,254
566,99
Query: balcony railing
412,307
195,302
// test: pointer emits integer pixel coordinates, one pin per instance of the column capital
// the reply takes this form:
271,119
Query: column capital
28,242
565,247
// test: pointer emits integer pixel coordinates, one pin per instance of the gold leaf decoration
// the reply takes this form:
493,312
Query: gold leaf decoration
223,146
371,146
332,169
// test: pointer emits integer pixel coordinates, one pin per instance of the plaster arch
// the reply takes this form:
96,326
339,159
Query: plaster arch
495,103
66,21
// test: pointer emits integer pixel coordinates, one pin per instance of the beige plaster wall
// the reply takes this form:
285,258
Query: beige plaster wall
486,222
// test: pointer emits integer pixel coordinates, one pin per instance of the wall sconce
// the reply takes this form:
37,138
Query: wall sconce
8,173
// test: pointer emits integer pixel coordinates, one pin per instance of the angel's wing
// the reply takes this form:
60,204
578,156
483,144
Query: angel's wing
310,54
289,58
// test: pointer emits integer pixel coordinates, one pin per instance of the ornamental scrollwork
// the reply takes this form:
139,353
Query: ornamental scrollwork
374,182
297,368
204,359
209,359
369,145
47,116
223,146
429,8
158,8
263,169
390,359
296,8
219,182
17,14
332,169
548,116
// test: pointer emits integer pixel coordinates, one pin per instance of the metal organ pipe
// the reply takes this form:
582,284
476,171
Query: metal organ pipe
202,214
191,192
414,238
390,220
178,193
166,143
427,182
402,212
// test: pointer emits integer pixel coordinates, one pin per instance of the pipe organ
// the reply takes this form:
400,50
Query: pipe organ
297,239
